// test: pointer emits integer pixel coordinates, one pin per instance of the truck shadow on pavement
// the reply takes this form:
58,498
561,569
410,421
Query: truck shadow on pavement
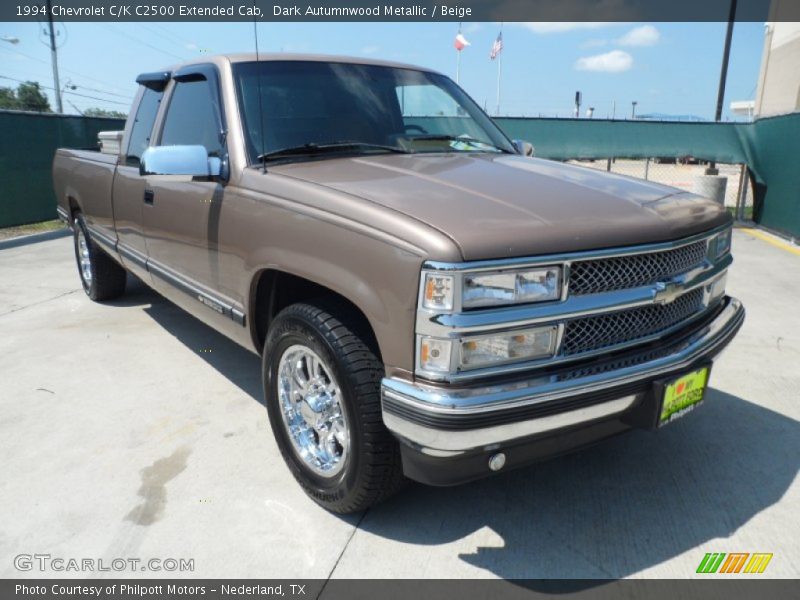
238,365
619,507
609,511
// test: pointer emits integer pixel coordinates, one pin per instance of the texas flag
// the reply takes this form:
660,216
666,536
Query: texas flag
460,42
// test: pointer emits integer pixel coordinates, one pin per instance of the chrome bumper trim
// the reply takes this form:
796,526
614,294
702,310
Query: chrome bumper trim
430,401
63,216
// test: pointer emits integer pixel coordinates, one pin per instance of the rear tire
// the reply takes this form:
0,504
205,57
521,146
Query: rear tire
337,399
102,278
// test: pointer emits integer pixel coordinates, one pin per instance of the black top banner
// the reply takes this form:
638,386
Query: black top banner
401,10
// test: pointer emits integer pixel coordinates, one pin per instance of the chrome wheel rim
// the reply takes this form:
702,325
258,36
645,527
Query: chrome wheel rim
311,408
84,258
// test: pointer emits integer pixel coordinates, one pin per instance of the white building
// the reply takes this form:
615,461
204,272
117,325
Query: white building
779,80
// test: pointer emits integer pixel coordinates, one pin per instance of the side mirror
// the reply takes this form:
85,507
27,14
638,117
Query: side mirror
180,162
524,148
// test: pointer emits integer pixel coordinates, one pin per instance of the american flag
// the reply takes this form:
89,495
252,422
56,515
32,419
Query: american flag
497,46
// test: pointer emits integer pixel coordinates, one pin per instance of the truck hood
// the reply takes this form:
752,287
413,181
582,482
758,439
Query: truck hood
497,206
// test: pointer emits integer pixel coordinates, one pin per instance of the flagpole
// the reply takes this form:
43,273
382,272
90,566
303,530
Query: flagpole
458,56
499,71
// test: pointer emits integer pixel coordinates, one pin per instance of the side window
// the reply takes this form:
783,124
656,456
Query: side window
191,118
142,126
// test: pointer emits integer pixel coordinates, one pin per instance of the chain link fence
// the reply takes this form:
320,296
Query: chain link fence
683,174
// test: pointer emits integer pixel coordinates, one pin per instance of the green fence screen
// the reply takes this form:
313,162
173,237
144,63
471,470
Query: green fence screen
27,144
769,147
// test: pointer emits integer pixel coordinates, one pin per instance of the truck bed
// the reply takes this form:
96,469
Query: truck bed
85,177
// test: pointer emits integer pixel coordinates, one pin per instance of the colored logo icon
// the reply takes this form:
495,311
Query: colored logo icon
734,562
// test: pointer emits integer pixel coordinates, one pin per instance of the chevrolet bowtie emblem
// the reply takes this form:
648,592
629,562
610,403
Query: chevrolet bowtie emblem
667,291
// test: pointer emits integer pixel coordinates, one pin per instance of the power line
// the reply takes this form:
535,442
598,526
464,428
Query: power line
172,33
126,104
167,35
84,87
49,87
45,62
135,39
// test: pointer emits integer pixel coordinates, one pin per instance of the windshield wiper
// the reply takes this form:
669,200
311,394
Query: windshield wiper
457,138
313,148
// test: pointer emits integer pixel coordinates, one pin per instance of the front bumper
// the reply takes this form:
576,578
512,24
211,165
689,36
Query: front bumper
544,414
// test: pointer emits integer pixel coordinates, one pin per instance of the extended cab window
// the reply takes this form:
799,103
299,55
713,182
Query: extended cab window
142,126
191,118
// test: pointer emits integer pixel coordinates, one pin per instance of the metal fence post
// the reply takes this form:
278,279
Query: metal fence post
741,196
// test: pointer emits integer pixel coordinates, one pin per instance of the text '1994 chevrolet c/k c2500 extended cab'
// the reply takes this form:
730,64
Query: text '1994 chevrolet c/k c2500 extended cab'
430,301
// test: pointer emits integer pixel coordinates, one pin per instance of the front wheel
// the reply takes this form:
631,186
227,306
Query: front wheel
322,390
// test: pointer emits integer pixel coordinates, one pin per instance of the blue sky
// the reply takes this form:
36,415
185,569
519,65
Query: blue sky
670,68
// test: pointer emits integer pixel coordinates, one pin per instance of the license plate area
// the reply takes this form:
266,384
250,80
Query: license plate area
682,395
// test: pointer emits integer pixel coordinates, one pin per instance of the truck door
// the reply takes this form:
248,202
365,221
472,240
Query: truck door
181,218
129,187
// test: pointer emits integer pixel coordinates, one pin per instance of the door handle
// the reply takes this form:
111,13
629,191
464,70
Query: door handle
149,196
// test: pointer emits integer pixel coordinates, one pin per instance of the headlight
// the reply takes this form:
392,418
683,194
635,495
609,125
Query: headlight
511,287
720,245
716,289
434,354
445,356
438,292
517,346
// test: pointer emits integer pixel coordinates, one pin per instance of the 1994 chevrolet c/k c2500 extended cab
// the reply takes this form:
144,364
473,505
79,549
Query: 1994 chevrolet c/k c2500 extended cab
429,302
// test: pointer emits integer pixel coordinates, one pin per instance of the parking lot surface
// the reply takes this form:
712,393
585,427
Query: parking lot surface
131,430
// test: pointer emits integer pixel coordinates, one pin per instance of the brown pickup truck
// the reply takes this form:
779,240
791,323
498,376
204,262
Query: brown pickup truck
430,301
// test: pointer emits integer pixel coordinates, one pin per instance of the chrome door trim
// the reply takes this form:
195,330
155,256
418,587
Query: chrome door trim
207,299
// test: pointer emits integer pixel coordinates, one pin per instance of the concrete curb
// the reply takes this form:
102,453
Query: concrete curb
34,238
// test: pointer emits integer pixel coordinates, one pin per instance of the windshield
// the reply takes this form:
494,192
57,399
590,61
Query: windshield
361,108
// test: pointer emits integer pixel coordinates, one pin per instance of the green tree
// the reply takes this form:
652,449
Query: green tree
102,112
8,99
31,97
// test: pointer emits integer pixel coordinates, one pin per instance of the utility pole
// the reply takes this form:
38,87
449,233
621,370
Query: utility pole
723,76
54,57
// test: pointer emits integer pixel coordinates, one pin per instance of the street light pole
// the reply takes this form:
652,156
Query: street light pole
723,76
633,109
54,58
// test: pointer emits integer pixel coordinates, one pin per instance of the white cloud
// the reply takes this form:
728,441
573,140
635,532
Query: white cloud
615,61
370,50
471,27
646,35
561,27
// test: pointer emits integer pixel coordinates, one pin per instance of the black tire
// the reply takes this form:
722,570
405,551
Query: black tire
106,279
372,469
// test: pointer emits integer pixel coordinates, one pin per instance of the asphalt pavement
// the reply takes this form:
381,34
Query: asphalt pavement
131,430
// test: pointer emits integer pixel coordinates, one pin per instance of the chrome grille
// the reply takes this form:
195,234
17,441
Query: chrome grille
618,273
602,331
